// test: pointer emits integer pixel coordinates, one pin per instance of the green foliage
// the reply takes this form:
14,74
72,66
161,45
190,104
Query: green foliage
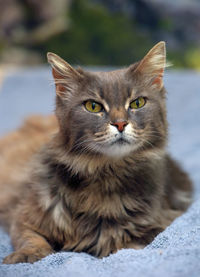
97,37
166,24
1,46
192,58
188,57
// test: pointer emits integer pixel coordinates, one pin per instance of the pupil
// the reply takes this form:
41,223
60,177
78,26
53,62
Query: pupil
137,103
93,105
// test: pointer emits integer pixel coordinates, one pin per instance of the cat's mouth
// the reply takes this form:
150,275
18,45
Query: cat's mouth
120,141
118,147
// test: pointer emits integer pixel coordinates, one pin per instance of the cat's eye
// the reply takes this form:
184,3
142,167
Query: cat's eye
93,106
138,103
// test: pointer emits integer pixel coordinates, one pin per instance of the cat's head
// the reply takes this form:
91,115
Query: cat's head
112,113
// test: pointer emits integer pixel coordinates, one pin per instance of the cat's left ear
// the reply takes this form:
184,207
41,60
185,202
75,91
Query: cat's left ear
65,76
153,64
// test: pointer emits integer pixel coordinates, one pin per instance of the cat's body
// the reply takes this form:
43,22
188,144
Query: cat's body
16,151
104,182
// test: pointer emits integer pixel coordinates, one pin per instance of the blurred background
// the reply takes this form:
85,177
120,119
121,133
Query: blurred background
99,32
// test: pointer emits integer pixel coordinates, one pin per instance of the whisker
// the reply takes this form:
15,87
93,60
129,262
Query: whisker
100,133
146,141
104,138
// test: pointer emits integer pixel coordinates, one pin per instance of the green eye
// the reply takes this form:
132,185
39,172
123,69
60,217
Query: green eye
138,103
93,106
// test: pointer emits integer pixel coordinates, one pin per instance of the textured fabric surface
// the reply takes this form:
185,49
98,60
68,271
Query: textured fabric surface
174,252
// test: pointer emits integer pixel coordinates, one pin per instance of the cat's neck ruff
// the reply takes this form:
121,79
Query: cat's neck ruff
89,164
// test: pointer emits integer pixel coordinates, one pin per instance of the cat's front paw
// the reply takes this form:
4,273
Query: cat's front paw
26,256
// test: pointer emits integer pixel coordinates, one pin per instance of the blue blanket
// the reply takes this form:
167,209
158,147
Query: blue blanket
174,252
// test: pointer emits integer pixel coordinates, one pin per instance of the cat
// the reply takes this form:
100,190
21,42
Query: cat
16,149
104,181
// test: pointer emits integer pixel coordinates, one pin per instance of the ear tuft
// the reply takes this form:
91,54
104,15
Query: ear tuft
153,64
65,76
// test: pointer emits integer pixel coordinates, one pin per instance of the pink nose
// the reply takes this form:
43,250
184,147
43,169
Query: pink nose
120,125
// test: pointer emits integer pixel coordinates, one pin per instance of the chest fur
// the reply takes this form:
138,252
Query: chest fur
107,212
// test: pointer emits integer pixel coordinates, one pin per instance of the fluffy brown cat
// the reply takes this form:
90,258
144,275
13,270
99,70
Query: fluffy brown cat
104,181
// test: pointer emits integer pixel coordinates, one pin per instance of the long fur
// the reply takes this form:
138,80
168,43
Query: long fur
93,187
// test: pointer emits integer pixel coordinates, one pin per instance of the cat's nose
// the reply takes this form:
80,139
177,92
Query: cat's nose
120,125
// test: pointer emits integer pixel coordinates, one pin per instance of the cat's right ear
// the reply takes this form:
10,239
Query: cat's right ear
65,76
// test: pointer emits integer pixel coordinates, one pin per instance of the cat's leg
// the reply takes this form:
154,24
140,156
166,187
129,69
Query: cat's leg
30,246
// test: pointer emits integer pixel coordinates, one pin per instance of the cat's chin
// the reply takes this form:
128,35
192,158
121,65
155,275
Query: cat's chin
118,150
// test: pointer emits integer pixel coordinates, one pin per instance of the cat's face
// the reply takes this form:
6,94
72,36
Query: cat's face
112,113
